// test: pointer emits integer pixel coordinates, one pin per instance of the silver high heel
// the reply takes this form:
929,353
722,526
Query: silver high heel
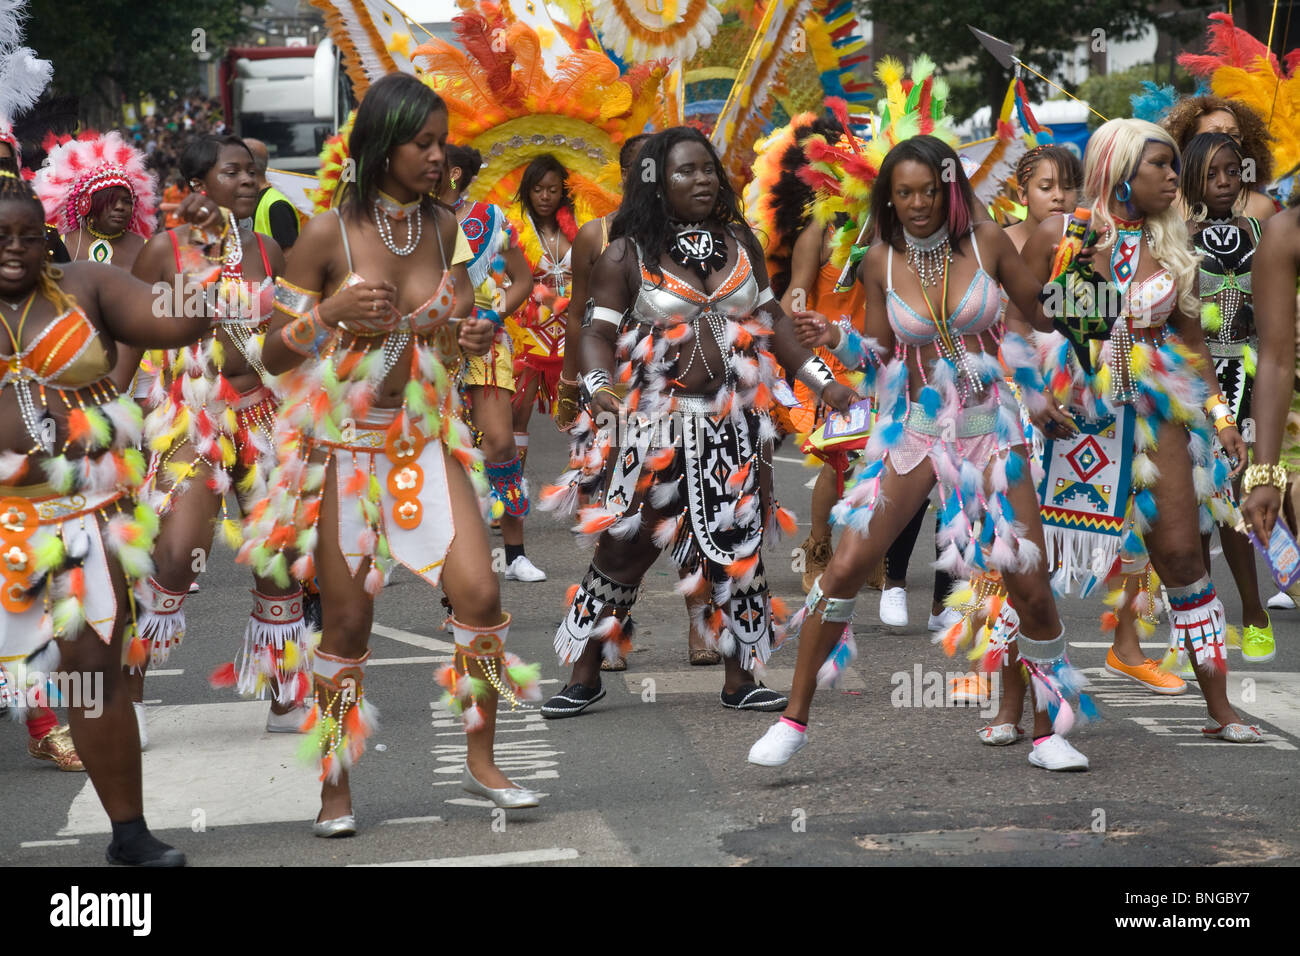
507,798
344,826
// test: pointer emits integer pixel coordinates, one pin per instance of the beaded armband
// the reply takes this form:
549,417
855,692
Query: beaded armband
815,374
1257,475
293,300
307,334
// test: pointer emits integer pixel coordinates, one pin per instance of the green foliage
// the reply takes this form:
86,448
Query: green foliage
1109,94
106,50
1043,33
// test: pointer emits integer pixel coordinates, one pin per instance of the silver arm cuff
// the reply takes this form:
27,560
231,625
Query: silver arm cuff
593,382
294,300
833,610
815,374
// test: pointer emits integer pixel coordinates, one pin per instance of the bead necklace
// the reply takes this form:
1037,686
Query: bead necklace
929,256
953,350
387,211
556,270
107,237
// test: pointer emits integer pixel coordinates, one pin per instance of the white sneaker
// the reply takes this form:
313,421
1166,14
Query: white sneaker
893,607
1281,601
943,621
521,569
1055,753
139,722
777,746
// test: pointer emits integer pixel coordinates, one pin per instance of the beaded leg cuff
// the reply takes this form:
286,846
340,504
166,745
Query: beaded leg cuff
837,610
586,617
1200,627
1056,684
506,479
341,718
276,653
161,626
501,671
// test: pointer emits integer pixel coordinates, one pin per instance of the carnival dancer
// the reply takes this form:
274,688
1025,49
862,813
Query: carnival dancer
211,430
683,277
1225,240
97,191
1048,179
75,542
1194,115
1276,280
47,738
588,246
1150,377
946,411
374,464
502,283
546,226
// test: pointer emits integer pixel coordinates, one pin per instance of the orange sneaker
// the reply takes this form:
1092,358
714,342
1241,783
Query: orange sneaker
970,688
1148,674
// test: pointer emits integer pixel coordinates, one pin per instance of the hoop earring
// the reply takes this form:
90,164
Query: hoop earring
1200,212
1123,191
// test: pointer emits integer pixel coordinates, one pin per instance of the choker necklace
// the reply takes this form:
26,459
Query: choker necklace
1129,225
928,256
107,237
387,211
697,247
393,209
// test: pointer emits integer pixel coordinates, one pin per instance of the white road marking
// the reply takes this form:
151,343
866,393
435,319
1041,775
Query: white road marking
513,858
1104,645
381,661
481,801
216,764
173,672
32,844
1276,697
792,461
397,821
415,640
694,682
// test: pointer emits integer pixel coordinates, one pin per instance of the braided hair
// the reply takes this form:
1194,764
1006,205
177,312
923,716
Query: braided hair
13,188
1068,167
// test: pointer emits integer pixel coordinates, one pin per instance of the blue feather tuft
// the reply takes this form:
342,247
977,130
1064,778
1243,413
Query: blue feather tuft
930,401
1015,468
1154,102
1146,503
1088,708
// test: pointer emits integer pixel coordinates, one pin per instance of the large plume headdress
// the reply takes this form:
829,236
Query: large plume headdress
503,102
76,169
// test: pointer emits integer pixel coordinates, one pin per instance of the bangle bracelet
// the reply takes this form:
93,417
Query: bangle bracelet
815,374
595,380
306,335
1214,401
1257,475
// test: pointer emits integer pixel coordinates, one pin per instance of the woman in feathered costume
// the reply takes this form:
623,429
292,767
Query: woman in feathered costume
211,429
1148,364
76,543
376,466
1226,243
681,317
99,194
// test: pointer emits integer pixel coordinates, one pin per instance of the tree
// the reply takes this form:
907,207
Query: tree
106,52
1043,32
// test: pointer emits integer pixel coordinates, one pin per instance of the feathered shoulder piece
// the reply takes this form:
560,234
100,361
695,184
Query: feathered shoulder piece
778,157
1240,67
76,169
503,102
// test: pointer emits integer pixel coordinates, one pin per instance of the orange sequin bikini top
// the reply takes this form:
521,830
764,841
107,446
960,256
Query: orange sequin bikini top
66,354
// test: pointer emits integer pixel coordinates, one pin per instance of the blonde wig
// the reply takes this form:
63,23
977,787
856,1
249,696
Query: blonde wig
1113,155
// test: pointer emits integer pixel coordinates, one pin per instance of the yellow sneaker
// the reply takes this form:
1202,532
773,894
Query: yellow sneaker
1148,674
1257,644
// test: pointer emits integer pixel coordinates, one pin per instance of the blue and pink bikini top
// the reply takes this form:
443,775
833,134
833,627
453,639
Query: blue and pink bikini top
980,308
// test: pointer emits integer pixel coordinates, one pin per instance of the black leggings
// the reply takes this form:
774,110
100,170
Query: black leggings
900,553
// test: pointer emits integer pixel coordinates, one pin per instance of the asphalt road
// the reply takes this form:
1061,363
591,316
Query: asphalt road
656,773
